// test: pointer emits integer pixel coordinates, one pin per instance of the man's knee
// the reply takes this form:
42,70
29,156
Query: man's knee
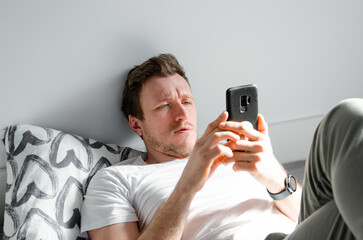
351,107
276,236
347,112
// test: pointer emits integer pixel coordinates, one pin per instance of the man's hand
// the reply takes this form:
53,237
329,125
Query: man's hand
206,155
254,154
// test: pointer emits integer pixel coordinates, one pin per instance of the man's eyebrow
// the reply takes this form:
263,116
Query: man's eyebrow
168,97
187,95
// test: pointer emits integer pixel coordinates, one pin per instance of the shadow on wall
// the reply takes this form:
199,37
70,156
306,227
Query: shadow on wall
93,110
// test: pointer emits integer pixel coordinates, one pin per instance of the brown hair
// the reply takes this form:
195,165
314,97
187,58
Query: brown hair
162,65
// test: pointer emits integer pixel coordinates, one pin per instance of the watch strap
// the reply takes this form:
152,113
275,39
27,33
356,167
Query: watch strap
287,191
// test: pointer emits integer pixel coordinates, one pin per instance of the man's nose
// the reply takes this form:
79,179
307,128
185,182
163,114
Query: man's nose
180,112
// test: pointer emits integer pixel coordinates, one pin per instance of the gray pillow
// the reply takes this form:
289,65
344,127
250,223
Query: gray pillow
48,172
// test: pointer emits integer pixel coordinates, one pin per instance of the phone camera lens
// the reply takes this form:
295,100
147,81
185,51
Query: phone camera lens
244,102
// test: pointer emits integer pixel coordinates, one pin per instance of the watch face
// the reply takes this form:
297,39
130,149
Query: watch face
292,183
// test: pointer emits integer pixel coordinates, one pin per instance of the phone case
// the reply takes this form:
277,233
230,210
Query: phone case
242,104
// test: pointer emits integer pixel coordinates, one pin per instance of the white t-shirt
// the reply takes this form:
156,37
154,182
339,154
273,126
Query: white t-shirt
231,205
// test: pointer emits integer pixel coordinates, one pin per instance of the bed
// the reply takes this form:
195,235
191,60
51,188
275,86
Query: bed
44,174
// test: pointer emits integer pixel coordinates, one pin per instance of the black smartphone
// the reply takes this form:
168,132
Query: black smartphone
242,104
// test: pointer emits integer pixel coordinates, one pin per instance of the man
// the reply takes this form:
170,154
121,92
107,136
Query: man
184,187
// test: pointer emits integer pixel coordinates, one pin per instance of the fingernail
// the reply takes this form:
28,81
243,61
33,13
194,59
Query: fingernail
223,124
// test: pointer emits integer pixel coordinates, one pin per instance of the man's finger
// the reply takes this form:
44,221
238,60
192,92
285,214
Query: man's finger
221,118
219,136
241,128
219,151
225,160
262,125
246,146
246,156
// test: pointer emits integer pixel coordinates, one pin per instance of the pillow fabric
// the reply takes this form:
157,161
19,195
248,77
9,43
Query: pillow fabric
48,172
2,180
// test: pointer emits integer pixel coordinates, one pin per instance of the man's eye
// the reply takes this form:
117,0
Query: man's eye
187,102
164,105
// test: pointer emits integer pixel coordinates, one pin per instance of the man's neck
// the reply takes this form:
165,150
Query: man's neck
154,156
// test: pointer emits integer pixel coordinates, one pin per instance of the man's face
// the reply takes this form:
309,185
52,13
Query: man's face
170,120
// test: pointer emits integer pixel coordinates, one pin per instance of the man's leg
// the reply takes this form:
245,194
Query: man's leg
332,199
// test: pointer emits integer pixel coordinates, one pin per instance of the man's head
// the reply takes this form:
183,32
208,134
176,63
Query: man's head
162,65
160,107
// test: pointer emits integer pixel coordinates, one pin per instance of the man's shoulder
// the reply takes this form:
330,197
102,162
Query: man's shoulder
125,166
134,161
136,167
118,173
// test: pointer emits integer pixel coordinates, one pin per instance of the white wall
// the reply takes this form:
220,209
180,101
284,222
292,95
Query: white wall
62,63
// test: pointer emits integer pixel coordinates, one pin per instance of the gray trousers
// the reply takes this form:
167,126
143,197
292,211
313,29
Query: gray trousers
332,197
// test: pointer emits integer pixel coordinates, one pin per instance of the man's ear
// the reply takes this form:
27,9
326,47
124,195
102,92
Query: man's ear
135,125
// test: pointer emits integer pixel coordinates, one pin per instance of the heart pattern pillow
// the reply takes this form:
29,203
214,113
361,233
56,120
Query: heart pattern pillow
48,172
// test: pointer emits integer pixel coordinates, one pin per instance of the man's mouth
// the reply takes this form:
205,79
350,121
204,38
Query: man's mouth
183,129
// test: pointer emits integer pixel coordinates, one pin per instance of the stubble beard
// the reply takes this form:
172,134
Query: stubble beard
182,150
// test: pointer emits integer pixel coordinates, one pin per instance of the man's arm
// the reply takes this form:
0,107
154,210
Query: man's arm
290,205
118,231
168,222
255,155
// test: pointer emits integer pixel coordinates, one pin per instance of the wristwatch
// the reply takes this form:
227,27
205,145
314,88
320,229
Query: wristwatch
290,187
